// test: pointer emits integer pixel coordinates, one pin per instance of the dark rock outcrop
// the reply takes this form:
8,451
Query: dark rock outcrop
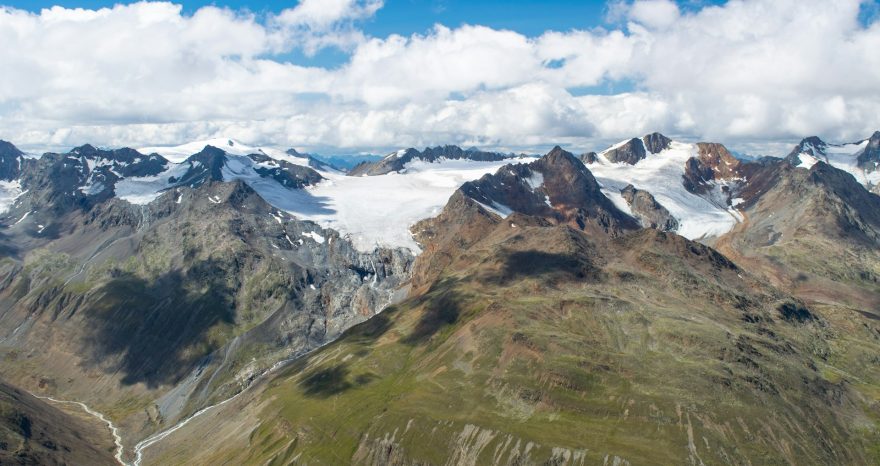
557,186
397,161
10,161
588,157
285,173
649,212
713,162
630,152
656,142
869,159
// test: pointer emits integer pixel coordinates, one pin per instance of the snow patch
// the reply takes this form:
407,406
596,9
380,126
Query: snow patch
498,209
807,160
9,192
316,237
142,190
536,180
23,217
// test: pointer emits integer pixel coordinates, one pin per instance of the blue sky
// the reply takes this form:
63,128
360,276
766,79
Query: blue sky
530,17
406,17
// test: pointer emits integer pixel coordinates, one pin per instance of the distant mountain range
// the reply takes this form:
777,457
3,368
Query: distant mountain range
654,302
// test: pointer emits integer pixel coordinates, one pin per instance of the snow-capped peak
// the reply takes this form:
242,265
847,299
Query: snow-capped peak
231,146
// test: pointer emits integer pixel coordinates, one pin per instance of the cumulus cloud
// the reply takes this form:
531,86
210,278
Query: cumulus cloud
316,24
657,14
749,72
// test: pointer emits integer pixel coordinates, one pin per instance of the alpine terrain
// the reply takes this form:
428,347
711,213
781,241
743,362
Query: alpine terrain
657,301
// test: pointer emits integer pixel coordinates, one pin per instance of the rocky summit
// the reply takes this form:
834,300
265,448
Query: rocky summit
653,302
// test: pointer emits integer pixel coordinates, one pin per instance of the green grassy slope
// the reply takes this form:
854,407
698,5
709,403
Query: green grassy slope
545,346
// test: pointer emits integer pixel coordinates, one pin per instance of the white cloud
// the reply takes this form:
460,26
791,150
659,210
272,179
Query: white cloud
657,14
323,14
747,72
315,24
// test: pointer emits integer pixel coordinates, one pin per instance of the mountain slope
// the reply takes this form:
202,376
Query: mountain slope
537,342
33,431
815,229
147,313
860,159
693,183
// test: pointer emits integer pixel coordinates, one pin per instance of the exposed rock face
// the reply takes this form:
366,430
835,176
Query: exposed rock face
656,143
588,157
286,173
182,301
556,189
87,176
649,212
557,186
10,161
812,145
636,149
208,165
397,161
869,159
82,177
629,153
713,163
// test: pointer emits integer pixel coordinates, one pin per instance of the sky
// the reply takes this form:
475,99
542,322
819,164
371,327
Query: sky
371,76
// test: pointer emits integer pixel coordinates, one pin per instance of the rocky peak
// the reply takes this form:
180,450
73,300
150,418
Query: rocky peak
206,165
811,145
712,163
630,152
656,142
558,155
285,173
557,186
123,162
723,163
10,161
313,161
397,161
869,159
588,157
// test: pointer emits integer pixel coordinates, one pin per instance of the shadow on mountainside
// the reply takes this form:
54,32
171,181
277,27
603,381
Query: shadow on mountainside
7,249
158,330
442,307
326,382
550,266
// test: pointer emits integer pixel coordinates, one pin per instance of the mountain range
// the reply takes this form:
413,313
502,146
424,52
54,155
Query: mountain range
655,302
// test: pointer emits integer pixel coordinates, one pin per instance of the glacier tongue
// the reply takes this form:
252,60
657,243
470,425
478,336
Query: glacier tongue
379,210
